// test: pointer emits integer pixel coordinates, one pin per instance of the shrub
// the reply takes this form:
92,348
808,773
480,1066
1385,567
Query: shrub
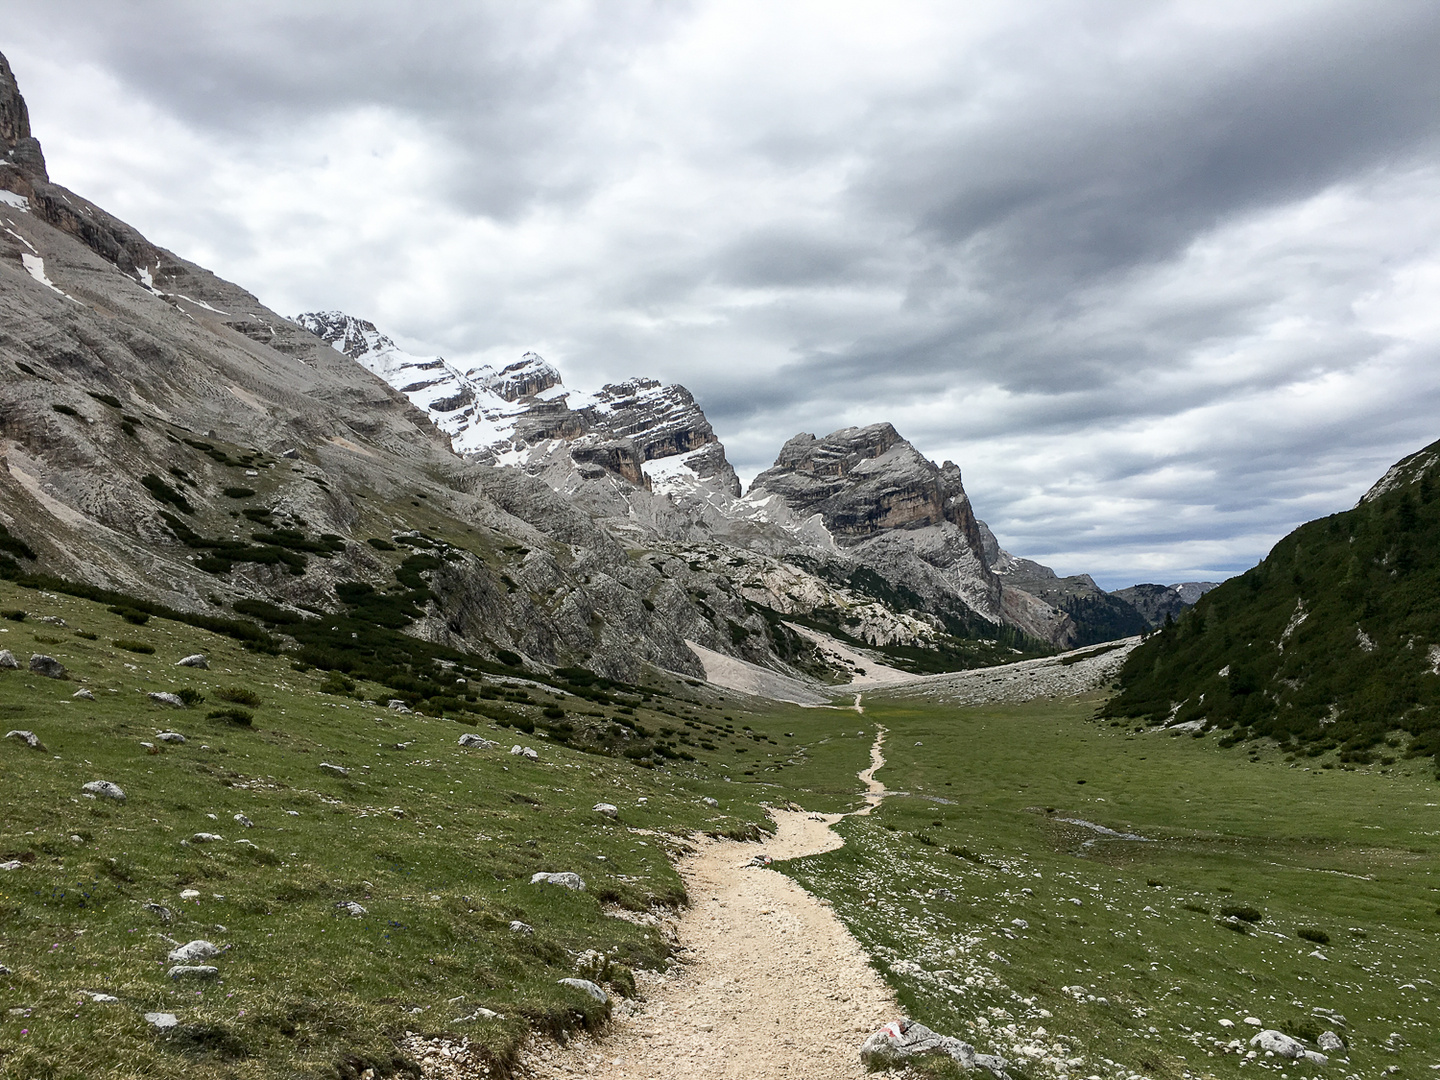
336,683
13,614
134,646
553,713
240,695
130,615
164,493
508,658
105,399
1201,908
1241,911
1302,1028
190,695
66,410
238,492
1313,933
381,545
243,717
86,634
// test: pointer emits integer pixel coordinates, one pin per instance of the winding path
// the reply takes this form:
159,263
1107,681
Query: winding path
775,986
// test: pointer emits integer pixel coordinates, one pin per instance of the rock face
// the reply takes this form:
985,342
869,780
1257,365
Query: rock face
1155,602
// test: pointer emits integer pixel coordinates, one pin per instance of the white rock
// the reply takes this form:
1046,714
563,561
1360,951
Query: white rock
206,838
7,659
243,820
478,1014
163,697
1253,1021
189,894
518,927
83,694
1282,1045
29,738
1319,955
99,998
40,664
396,705
476,741
708,801
351,908
525,751
11,864
198,949
565,878
196,661
193,971
608,809
103,789
585,986
170,737
161,1020
334,770
1330,1042
1227,1023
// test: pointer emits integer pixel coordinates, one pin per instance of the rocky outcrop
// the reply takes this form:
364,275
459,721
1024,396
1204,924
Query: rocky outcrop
1157,602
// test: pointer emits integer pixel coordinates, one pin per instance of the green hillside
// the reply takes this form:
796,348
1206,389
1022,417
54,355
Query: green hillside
1332,643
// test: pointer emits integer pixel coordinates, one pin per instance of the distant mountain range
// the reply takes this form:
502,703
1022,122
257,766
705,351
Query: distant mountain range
170,441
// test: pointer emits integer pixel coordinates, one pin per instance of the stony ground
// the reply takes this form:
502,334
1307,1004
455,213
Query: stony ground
774,985
1066,675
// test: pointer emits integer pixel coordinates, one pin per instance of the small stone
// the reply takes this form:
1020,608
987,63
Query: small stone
163,697
83,694
162,1021
243,820
11,864
518,927
48,666
396,705
351,908
198,949
189,894
100,998
1253,1021
196,661
334,770
165,914
468,739
478,1014
103,789
708,801
29,738
170,737
206,838
193,971
525,751
1330,1042
585,986
565,878
1021,923
610,810
1227,1023
7,659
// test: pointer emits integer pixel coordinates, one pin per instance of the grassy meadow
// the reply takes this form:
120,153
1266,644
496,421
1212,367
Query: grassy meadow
1305,898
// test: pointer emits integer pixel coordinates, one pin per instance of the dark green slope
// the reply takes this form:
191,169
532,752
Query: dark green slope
1331,643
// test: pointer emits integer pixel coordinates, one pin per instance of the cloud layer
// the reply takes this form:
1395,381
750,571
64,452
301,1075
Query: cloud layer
1162,278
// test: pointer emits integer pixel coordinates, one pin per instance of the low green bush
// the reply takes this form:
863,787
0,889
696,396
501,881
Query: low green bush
134,646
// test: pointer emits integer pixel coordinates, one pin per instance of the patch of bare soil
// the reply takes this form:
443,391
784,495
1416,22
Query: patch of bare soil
774,985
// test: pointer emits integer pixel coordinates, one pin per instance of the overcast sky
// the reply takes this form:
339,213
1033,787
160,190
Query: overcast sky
1162,278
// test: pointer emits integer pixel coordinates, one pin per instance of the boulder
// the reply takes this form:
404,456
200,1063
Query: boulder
351,908
396,705
525,751
170,737
206,838
610,810
164,913
478,742
40,664
103,789
564,878
163,697
1282,1045
708,801
83,694
161,1021
7,659
588,988
191,951
1330,1042
243,820
901,1040
29,738
518,927
334,770
196,661
193,971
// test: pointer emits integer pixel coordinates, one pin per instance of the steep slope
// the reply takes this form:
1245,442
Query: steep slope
1331,643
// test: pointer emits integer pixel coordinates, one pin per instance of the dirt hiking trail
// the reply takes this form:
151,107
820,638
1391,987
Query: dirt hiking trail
774,986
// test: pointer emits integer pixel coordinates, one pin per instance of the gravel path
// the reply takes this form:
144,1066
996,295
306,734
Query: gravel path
775,986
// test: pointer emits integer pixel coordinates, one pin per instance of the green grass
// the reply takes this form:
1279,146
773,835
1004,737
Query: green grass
1309,850
437,843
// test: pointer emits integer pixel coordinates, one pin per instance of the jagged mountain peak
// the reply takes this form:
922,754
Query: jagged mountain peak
22,149
345,333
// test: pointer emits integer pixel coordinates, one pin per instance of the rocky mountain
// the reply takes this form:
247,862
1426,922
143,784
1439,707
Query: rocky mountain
1331,643
1156,603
